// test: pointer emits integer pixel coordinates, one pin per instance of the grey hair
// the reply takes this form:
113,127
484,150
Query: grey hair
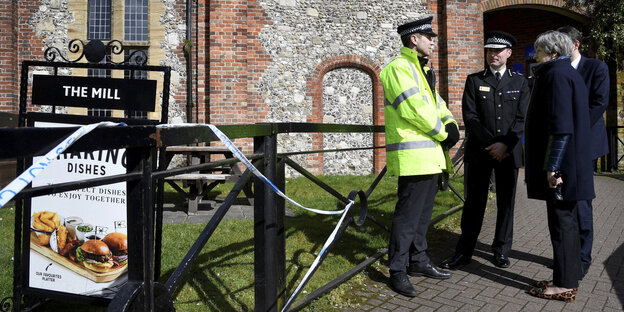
553,41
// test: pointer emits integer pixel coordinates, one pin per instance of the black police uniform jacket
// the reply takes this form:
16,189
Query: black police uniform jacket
493,112
559,106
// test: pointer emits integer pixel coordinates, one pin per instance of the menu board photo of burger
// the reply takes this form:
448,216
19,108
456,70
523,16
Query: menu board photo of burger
78,238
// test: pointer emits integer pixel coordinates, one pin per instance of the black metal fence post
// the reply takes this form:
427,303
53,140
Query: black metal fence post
612,163
280,252
268,233
141,225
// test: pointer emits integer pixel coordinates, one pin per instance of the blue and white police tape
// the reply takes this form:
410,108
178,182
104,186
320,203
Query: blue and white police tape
317,261
236,152
17,185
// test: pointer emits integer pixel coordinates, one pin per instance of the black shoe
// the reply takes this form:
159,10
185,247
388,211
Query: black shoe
584,269
501,260
429,271
457,261
401,284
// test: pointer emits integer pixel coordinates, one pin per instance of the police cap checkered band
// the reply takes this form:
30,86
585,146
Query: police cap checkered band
415,29
499,39
423,25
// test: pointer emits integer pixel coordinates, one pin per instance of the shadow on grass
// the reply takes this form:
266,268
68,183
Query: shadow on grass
205,278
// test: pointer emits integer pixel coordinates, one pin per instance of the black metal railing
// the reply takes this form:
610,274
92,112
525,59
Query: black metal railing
611,161
144,291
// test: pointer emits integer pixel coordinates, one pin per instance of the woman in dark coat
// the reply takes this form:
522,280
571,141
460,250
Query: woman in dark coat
557,138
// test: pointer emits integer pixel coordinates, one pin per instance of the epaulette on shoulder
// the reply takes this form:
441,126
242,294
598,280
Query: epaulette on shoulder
481,73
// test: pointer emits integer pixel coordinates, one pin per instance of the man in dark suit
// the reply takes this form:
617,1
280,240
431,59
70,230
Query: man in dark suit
595,73
493,105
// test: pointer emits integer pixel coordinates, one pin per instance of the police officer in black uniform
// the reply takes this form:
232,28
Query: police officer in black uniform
493,105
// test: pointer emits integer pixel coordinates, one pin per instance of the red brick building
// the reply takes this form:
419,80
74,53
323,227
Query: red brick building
253,62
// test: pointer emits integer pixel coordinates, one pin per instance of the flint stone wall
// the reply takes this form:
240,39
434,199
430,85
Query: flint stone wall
302,36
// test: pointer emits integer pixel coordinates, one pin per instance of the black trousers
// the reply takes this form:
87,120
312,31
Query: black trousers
408,242
586,231
476,185
564,235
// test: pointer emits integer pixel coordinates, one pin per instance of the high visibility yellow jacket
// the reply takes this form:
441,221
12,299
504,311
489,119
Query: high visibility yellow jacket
415,119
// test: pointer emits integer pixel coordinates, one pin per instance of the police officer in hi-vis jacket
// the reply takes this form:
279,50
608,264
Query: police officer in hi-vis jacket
419,131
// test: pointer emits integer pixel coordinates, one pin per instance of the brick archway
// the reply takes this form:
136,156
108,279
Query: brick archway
315,91
488,5
557,6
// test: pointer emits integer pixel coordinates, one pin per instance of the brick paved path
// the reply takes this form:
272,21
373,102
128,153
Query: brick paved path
481,286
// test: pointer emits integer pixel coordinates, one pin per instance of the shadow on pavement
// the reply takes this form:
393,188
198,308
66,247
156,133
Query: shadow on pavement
442,245
614,265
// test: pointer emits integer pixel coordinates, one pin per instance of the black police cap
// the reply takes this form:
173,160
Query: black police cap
422,26
496,39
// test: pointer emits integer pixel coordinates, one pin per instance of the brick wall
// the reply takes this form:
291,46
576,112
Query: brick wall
236,62
8,57
14,50
180,96
29,45
201,59
459,25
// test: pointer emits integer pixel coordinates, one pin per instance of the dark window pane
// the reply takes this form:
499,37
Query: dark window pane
99,20
135,20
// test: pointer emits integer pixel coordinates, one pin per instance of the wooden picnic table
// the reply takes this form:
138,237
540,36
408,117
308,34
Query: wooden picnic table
201,183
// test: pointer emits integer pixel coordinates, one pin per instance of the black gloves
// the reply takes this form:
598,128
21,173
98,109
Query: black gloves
453,136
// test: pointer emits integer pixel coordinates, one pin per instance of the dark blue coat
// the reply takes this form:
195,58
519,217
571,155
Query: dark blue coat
559,105
596,76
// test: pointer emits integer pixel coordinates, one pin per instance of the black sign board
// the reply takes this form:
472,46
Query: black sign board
92,92
131,95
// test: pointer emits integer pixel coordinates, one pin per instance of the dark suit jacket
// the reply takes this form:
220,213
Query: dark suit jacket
559,106
596,76
494,111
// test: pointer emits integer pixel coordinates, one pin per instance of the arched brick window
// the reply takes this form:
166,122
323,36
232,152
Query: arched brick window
315,91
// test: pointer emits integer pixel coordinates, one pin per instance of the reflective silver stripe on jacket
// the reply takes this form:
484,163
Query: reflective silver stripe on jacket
447,117
440,99
414,73
403,96
409,145
436,129
407,93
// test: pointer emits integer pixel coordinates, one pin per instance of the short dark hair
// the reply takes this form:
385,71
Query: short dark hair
407,41
572,32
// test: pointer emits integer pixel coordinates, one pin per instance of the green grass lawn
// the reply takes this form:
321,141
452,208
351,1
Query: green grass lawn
222,278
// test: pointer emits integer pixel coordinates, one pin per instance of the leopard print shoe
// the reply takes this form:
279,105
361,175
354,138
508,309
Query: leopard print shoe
567,296
545,284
